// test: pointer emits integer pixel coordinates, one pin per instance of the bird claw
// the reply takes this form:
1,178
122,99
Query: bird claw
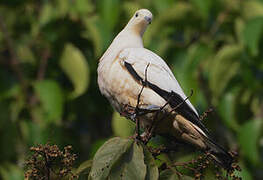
145,137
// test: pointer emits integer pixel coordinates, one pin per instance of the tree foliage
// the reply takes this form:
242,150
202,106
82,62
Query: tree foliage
49,52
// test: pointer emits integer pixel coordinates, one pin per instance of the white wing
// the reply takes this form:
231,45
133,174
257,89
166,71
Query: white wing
158,72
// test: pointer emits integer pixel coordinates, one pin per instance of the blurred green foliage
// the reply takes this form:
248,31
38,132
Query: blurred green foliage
49,52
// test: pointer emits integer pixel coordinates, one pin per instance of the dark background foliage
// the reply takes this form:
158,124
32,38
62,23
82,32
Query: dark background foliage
49,52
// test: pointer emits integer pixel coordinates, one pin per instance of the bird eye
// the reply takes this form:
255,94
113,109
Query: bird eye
136,15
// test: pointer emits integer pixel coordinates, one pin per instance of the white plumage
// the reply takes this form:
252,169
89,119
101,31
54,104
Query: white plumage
118,85
158,72
122,84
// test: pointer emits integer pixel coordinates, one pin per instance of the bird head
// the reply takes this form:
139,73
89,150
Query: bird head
140,20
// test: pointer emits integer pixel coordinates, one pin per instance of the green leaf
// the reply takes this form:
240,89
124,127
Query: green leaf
252,34
32,132
252,8
62,8
11,172
202,6
74,64
131,166
248,137
25,54
244,173
226,109
162,5
80,8
224,67
107,156
129,7
170,174
123,159
46,14
182,9
84,169
51,98
239,28
152,169
100,35
121,126
110,12
187,75
95,146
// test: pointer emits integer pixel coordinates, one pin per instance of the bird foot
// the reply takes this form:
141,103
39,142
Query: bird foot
136,137
146,137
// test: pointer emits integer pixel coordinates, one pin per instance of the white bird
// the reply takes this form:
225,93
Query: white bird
127,66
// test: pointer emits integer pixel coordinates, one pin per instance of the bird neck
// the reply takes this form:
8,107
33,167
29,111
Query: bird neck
125,39
137,29
128,39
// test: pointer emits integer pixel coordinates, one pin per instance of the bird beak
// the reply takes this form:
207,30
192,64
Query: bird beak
148,19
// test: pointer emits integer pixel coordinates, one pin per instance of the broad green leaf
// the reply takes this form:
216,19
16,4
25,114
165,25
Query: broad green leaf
121,126
226,109
46,14
196,54
231,6
74,64
182,9
224,67
248,137
51,98
170,174
252,34
255,105
9,135
84,169
95,146
100,35
80,8
107,156
33,133
239,28
152,169
161,6
131,166
25,54
244,173
252,8
62,8
203,7
130,7
11,172
109,11
123,159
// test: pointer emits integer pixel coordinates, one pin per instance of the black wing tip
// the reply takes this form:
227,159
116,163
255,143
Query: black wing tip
221,156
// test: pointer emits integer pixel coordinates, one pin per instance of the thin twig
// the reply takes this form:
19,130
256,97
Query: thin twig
43,64
205,114
40,74
180,104
138,102
154,122
14,62
152,127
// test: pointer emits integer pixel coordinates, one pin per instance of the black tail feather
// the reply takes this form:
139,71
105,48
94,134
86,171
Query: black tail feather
220,155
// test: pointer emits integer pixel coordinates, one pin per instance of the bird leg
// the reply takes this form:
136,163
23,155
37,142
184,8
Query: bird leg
138,111
150,131
205,114
180,104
